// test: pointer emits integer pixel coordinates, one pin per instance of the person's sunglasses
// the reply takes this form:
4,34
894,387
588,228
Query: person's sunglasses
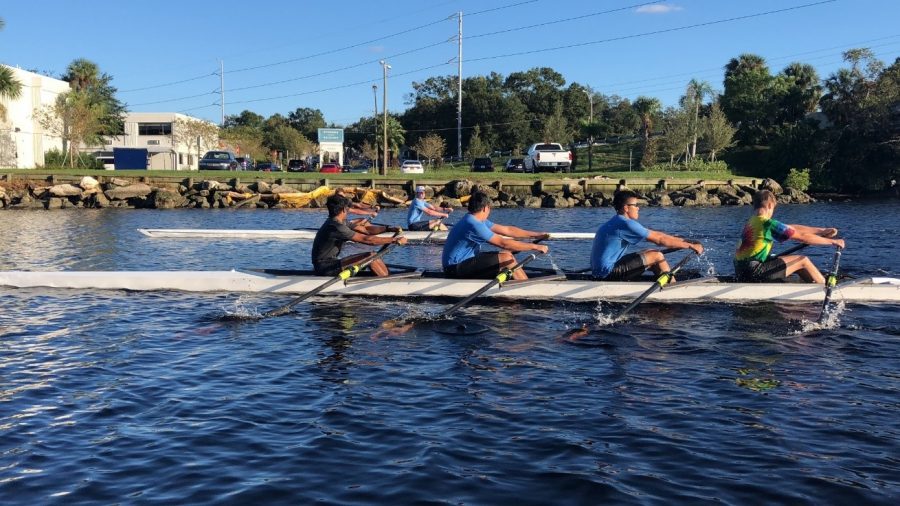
637,206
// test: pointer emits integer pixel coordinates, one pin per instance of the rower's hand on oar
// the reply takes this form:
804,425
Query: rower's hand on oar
696,247
400,239
839,243
541,248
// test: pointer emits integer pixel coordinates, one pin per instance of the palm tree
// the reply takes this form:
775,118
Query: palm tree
395,135
696,91
82,73
647,108
10,88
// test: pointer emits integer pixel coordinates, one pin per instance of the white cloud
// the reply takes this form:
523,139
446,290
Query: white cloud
657,9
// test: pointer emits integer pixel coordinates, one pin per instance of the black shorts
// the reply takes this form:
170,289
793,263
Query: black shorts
328,268
484,265
629,268
759,272
419,226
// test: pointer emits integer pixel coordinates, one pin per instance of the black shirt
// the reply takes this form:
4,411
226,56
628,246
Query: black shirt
329,240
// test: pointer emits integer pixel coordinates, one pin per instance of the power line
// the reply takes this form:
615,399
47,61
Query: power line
655,32
173,83
564,20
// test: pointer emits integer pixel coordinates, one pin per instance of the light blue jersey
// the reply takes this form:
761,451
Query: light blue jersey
611,241
465,239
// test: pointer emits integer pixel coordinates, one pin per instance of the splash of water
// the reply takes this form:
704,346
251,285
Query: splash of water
553,262
832,319
241,311
603,318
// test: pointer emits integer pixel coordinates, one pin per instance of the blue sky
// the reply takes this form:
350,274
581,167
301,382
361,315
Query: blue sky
325,54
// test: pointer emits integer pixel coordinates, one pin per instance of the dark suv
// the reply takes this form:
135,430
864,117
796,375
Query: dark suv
219,160
482,165
297,166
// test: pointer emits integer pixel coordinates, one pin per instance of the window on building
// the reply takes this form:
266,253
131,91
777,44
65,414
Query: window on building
154,129
180,159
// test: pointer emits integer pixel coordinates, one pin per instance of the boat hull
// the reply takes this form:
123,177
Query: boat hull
879,290
310,234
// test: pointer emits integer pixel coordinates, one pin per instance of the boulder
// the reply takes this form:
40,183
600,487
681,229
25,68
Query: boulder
532,202
97,200
54,203
168,199
573,190
89,183
772,186
662,199
458,188
138,190
798,197
65,190
116,181
280,188
453,203
263,187
490,191
210,185
555,202
502,196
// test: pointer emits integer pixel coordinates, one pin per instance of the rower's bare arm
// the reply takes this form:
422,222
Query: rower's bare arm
824,232
670,241
816,239
374,240
516,246
511,231
430,211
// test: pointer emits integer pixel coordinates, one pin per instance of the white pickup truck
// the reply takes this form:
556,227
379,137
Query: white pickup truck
548,156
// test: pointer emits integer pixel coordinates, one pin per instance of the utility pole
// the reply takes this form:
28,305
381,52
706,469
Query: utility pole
375,124
591,135
222,88
384,67
459,92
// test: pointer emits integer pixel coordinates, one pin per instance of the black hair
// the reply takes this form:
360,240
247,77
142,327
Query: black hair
621,197
478,201
336,204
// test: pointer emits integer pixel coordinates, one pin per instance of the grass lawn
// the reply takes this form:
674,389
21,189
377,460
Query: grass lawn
609,160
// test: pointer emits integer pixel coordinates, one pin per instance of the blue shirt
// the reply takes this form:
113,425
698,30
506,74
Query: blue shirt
416,211
610,242
465,239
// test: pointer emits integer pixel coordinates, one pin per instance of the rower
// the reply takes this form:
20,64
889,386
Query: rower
462,256
358,208
334,233
418,209
751,260
608,259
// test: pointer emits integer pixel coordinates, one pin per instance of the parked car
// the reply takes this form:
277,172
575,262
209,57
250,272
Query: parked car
356,169
330,168
297,166
482,165
412,167
245,162
515,165
219,160
548,156
268,167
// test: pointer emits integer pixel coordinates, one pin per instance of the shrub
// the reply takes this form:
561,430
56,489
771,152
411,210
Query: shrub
797,179
696,165
55,158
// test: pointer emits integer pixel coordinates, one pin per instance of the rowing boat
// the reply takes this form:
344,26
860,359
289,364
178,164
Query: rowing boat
416,284
310,234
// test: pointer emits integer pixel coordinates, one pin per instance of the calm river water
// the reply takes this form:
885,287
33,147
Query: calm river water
116,397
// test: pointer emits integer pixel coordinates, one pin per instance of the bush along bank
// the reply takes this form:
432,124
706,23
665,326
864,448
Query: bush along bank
209,194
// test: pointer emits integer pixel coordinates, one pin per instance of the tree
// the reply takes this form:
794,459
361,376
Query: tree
647,108
395,134
556,128
746,97
432,147
244,119
718,133
75,117
307,121
248,139
287,139
696,91
195,133
477,148
96,87
10,88
370,151
677,126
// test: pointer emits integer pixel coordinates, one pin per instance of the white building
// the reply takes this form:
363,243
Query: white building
22,140
153,131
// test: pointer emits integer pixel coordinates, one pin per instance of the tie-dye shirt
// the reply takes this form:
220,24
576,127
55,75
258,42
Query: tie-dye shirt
757,237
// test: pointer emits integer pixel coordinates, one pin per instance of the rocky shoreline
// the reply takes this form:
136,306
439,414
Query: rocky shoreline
210,194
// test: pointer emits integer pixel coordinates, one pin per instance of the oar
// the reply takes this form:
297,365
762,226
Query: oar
830,283
342,276
433,230
789,251
660,282
503,277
